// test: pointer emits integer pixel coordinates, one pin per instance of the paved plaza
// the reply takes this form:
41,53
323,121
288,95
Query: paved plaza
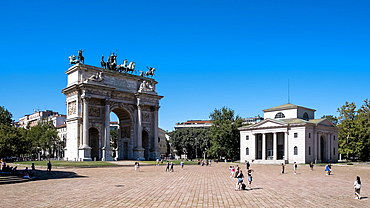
195,186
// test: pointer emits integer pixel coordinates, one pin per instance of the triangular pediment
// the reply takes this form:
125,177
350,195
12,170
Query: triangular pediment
326,122
268,123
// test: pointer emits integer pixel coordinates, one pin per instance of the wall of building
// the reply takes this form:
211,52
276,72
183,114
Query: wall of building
289,113
298,142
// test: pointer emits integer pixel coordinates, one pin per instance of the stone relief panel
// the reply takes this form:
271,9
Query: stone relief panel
145,117
125,132
94,111
122,96
148,100
120,83
97,92
94,101
72,108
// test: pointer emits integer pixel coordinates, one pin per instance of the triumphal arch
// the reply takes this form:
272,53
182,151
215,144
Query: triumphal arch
92,93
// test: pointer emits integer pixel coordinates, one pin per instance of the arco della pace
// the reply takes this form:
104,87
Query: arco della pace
92,93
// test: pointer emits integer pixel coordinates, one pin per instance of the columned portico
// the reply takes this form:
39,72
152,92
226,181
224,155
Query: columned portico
289,134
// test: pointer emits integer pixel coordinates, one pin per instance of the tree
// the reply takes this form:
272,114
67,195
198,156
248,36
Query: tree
113,138
363,126
225,136
44,136
190,141
5,116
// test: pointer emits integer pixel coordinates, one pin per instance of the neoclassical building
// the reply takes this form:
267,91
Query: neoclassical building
92,93
289,133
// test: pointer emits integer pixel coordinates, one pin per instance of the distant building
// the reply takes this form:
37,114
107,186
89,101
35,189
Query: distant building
33,119
289,133
253,120
163,142
194,124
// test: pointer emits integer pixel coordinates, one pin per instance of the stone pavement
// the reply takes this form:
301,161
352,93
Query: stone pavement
194,186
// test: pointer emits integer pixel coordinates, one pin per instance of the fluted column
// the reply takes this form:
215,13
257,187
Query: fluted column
264,146
107,150
85,126
156,130
328,143
314,148
139,128
274,148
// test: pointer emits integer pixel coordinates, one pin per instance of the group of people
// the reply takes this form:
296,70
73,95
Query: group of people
237,173
295,166
205,162
168,167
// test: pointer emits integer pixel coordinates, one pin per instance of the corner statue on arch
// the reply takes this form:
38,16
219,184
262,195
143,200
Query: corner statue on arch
92,93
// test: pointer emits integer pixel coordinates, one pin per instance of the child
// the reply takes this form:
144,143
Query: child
232,171
311,166
240,181
250,178
282,168
295,168
357,186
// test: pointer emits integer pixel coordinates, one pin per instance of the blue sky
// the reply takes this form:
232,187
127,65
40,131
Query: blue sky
208,54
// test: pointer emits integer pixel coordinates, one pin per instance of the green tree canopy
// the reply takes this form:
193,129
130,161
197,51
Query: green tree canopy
5,116
190,141
225,136
331,118
354,130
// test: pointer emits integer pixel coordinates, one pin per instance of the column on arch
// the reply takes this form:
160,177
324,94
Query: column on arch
139,126
264,146
314,148
85,125
107,123
156,128
274,143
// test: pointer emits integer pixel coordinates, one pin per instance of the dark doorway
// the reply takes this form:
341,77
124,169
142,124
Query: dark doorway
94,143
146,145
259,146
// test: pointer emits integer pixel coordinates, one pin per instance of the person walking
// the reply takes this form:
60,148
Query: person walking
182,165
168,167
328,169
247,165
295,167
311,166
239,183
171,167
136,166
210,161
357,187
282,168
250,178
157,161
49,166
237,171
232,171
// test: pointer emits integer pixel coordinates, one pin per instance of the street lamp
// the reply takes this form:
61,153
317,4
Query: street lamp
196,148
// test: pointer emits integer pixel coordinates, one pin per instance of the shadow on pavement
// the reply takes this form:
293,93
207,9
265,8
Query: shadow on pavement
16,177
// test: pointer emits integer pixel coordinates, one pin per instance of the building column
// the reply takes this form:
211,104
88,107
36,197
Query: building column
156,149
264,146
274,148
314,147
107,150
328,146
286,152
319,146
85,149
139,150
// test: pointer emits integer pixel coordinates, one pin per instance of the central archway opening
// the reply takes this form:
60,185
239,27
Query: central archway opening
94,143
121,126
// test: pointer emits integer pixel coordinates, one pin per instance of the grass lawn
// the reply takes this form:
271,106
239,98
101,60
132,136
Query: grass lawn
61,163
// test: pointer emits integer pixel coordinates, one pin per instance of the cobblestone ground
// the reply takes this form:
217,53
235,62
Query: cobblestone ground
194,186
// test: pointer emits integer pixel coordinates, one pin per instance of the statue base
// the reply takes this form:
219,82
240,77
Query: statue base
85,153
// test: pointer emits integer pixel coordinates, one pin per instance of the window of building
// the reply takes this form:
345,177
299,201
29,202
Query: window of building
247,137
309,150
305,116
280,115
295,135
334,138
334,151
159,139
247,151
295,150
309,135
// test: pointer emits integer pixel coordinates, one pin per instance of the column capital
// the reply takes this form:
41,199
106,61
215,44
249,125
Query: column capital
86,98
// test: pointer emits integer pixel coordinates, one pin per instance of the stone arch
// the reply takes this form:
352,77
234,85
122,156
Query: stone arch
95,143
126,125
